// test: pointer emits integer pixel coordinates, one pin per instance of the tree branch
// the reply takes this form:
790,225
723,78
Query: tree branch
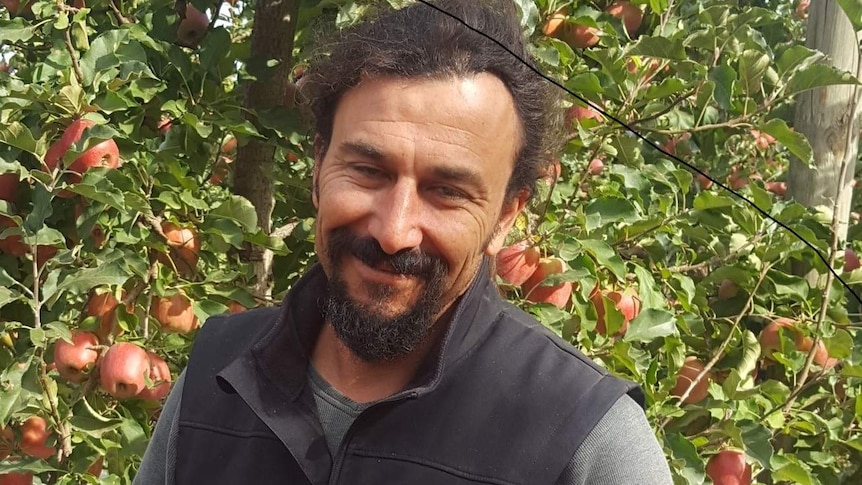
76,68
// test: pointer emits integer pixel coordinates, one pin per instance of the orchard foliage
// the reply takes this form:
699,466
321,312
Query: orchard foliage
653,270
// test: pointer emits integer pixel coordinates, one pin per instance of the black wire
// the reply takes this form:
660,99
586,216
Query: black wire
662,150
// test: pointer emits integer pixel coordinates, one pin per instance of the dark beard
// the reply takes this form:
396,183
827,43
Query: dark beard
370,335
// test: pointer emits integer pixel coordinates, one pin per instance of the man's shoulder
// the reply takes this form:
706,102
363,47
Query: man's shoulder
232,333
521,324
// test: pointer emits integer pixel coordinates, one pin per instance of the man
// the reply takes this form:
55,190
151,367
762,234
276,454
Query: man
395,360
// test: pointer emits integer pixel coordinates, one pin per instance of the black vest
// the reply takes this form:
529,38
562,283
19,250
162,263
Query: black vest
504,401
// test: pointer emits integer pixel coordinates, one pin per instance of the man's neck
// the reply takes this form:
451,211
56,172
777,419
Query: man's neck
363,381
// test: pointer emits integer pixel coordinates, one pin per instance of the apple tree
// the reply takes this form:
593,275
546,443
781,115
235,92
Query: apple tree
154,171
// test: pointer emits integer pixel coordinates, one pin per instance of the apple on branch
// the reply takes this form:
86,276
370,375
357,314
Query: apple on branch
74,360
535,289
175,313
516,263
122,370
193,28
729,467
686,376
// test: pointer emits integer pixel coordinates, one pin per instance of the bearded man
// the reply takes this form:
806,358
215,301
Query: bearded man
395,360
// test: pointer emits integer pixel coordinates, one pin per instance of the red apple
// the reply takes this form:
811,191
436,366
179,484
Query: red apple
95,468
75,359
70,136
15,9
821,355
762,140
8,187
14,244
235,307
737,180
184,244
160,376
580,113
769,338
164,125
193,28
580,36
727,290
221,169
104,154
535,291
7,442
229,145
687,374
851,260
555,25
729,467
777,188
516,263
122,370
175,313
626,302
631,15
704,181
103,306
4,67
13,478
34,433
596,167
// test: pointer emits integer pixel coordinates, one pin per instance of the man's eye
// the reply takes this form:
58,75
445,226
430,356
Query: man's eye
451,193
368,170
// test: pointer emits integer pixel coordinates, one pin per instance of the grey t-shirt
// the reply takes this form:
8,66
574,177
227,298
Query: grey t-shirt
620,450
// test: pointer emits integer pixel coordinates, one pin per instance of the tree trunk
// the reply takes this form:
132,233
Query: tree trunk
272,39
829,117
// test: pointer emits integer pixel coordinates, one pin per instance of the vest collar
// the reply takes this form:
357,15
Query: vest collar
283,353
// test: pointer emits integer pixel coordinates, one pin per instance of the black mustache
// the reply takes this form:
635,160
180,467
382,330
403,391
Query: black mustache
408,262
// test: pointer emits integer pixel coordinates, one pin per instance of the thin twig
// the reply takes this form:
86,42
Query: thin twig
76,67
120,17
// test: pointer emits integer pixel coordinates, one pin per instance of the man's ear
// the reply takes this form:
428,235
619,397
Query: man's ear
511,209
319,154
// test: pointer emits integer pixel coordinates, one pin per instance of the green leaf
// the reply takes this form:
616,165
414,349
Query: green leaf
17,135
12,387
794,473
710,200
606,210
660,47
104,275
816,76
102,54
17,30
651,324
752,65
605,256
239,210
683,449
585,82
853,9
724,77
757,438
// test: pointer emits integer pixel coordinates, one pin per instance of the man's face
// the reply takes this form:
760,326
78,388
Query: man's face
410,197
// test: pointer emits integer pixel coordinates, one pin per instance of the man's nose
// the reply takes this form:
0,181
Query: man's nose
396,224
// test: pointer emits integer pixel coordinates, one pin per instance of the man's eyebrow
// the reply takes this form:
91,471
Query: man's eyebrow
363,149
459,174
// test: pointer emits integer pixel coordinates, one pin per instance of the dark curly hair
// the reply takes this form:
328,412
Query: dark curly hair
418,41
